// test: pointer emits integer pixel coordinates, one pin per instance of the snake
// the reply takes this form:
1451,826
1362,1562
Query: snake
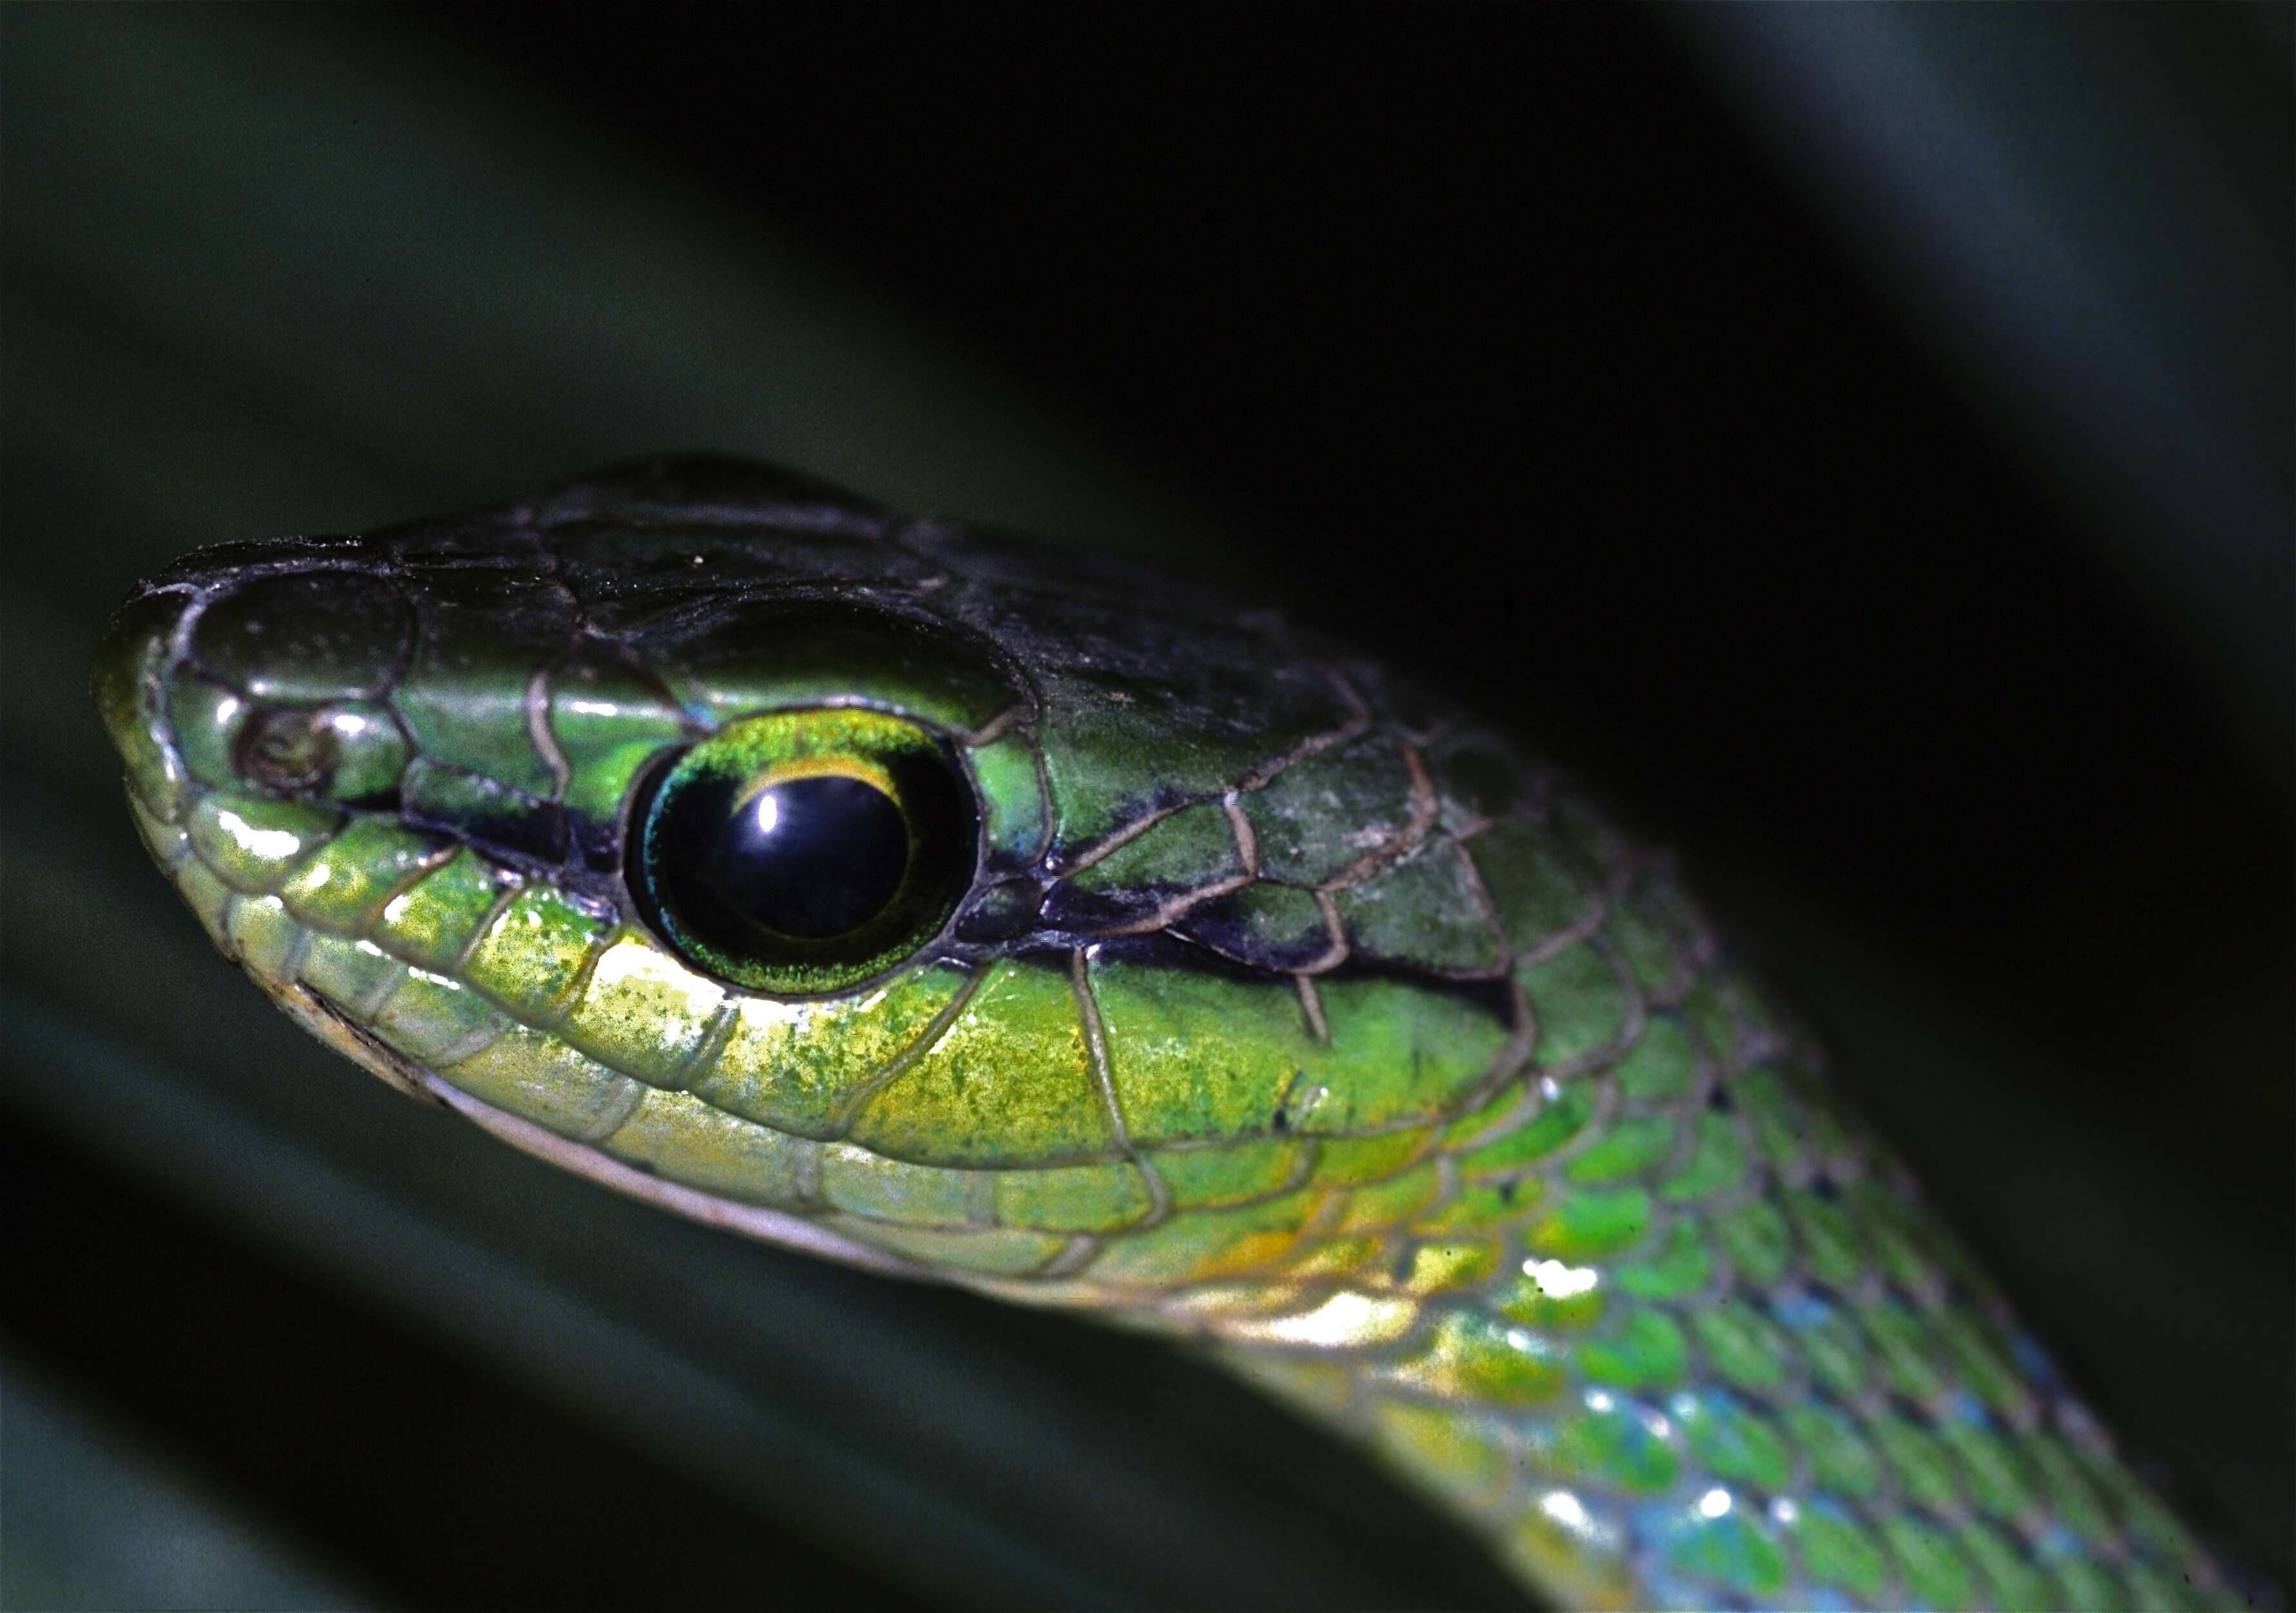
974,910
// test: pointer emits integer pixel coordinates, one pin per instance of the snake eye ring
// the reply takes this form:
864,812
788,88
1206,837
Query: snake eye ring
802,852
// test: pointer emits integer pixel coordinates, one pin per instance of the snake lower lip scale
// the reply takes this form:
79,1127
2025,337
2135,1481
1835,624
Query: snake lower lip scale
972,911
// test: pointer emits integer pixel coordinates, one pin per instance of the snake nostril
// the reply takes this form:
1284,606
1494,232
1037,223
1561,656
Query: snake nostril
287,749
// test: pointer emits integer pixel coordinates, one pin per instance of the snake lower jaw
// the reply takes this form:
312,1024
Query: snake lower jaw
328,1023
360,1045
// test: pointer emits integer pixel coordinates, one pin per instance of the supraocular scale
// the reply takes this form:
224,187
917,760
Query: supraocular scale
1246,993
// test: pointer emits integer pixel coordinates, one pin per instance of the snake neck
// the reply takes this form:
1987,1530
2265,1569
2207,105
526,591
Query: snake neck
1675,1330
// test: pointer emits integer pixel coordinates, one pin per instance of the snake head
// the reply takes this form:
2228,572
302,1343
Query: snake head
934,900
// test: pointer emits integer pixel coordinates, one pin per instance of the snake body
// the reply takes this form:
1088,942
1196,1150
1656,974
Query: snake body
1279,1007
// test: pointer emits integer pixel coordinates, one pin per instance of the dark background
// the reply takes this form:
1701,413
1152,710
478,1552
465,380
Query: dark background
1860,442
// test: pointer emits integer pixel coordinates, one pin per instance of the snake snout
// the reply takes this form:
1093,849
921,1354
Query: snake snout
258,667
129,664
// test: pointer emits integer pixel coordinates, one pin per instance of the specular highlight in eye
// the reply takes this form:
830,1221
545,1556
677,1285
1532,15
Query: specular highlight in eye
799,852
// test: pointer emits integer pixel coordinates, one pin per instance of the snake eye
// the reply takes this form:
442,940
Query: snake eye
803,851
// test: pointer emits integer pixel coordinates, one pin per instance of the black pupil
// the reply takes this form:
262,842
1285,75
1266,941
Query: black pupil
812,858
802,883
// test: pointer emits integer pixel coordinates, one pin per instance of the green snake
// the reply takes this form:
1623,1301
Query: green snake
968,910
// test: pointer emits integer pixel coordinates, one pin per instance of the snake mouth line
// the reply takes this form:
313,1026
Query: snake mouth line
315,1014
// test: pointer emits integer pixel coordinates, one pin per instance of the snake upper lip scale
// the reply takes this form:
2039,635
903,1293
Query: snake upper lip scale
968,910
